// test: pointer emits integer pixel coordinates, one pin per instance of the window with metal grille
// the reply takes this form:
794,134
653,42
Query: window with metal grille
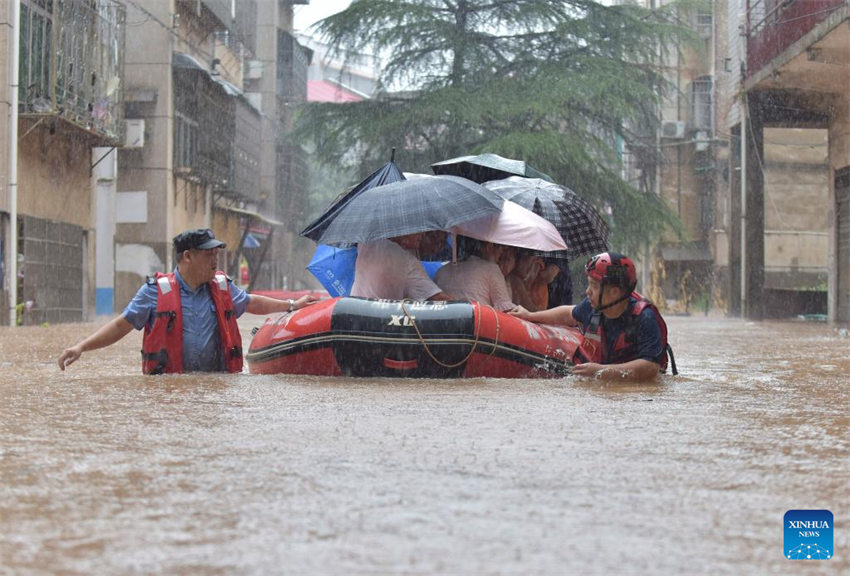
704,22
36,42
186,141
71,55
700,103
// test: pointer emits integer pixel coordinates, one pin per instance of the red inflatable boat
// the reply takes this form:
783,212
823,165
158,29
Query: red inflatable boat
373,338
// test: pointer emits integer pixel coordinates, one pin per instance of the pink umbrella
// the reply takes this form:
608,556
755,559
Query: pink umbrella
514,226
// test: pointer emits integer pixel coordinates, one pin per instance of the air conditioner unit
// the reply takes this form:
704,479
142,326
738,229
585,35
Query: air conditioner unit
134,133
253,70
673,129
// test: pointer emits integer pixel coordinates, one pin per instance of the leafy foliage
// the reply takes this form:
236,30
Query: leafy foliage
566,86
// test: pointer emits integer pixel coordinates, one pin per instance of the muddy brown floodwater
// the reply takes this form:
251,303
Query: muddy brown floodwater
105,471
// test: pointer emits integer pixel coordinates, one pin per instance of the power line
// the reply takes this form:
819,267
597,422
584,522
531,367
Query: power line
144,11
172,30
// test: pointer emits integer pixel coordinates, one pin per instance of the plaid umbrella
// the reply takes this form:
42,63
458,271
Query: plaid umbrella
408,207
577,220
485,167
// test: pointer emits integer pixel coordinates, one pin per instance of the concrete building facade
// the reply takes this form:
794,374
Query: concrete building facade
68,93
137,120
760,245
206,80
686,175
790,237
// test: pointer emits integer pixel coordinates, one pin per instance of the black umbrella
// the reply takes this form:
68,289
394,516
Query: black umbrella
577,220
408,207
485,167
386,174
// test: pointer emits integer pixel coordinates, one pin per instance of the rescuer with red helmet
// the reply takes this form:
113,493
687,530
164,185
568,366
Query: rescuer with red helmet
625,336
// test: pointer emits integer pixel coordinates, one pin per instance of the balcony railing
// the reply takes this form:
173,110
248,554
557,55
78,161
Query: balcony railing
774,25
71,62
215,138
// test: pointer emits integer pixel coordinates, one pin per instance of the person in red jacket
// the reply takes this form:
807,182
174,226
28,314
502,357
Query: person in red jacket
625,337
189,316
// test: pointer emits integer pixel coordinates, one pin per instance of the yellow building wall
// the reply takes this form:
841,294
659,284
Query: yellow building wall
228,226
682,189
190,206
54,176
839,133
796,197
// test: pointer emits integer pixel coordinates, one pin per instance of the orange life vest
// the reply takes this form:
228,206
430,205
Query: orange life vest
593,348
162,343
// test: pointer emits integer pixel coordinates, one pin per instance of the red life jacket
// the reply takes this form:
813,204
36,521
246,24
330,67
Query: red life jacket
162,343
593,346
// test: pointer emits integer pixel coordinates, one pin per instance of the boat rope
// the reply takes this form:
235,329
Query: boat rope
498,330
474,343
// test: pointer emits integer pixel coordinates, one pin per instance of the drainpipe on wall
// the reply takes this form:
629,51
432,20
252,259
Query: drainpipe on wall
645,272
645,275
13,162
745,132
208,222
105,186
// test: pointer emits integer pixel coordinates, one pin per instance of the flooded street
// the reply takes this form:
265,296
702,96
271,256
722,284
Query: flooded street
105,471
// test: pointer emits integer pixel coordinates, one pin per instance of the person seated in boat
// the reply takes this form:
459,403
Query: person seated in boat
539,289
189,316
625,337
434,247
561,288
478,277
507,263
530,279
528,266
390,270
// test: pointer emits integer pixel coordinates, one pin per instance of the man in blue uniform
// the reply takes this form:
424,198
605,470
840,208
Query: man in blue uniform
202,323
625,337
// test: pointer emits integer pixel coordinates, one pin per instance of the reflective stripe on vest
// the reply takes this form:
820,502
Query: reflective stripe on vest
164,285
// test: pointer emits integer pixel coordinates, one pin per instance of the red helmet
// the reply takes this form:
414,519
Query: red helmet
613,269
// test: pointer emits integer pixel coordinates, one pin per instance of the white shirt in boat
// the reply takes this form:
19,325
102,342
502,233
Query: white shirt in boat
475,279
386,270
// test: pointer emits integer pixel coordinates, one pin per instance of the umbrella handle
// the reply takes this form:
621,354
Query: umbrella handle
454,247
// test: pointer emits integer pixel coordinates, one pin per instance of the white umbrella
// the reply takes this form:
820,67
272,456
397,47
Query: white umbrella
514,226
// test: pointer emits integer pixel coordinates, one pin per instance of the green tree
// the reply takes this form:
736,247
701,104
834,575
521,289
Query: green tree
566,86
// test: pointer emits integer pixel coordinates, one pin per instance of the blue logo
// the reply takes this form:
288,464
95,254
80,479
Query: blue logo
808,534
